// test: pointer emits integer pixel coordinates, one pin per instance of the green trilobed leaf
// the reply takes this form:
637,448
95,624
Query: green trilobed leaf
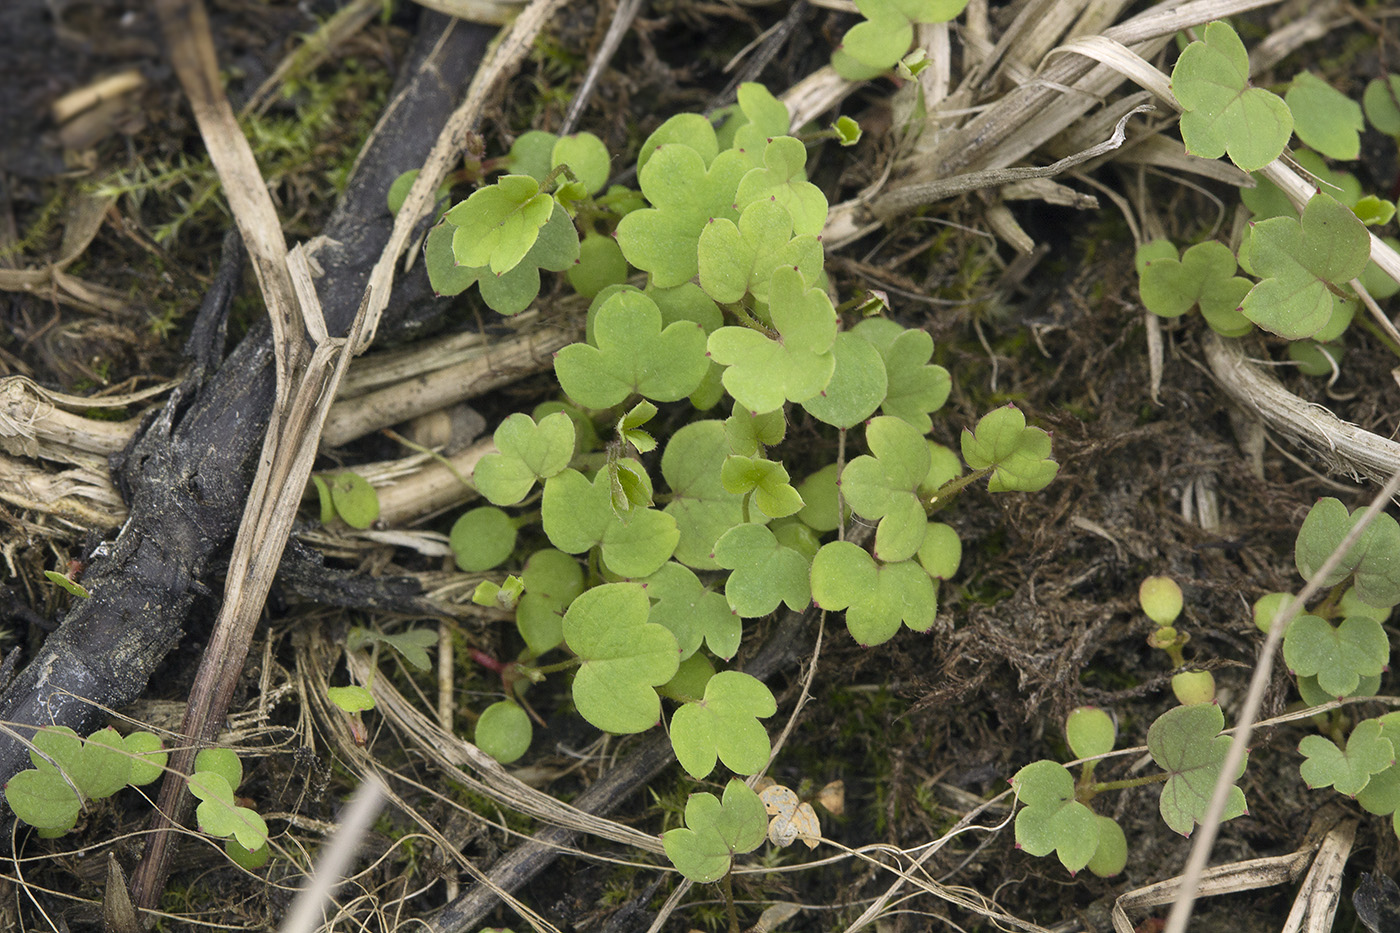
885,487
599,265
915,387
503,731
1020,455
1338,657
858,384
1187,744
692,612
498,224
104,767
783,182
624,657
763,372
1298,261
1381,795
686,196
761,117
1223,113
687,129
44,800
941,552
725,725
586,156
715,832
765,572
552,581
819,491
876,598
633,354
528,452
530,154
482,538
746,432
738,259
1348,771
1205,275
1051,819
1325,118
768,481
1374,558
702,507
555,249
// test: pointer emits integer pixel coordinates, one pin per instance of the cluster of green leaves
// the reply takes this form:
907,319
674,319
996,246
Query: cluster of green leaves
217,774
1339,648
1057,816
640,552
1302,264
1161,600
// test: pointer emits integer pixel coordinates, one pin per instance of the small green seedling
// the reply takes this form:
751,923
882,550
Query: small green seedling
878,43
1223,114
716,831
349,497
1160,598
67,583
217,774
70,771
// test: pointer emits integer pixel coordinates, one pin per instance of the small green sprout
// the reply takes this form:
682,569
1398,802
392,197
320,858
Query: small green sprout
1160,598
716,831
67,583
347,496
503,731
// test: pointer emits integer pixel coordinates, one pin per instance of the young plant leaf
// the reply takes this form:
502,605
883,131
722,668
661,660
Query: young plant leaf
633,354
765,572
497,224
1089,731
764,372
351,699
44,800
1223,114
556,249
738,259
527,452
783,182
1299,261
715,832
941,552
482,538
1338,657
1372,558
150,763
858,384
1381,795
586,156
686,193
915,387
768,481
63,582
1019,455
1187,744
578,514
725,725
1112,854
877,598
1051,820
624,657
504,731
1204,276
354,499
552,580
702,507
746,432
1325,118
692,613
885,487
1348,771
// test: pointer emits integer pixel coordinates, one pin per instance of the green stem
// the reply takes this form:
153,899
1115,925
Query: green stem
1371,328
1126,783
395,436
744,514
840,499
948,490
558,666
727,884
